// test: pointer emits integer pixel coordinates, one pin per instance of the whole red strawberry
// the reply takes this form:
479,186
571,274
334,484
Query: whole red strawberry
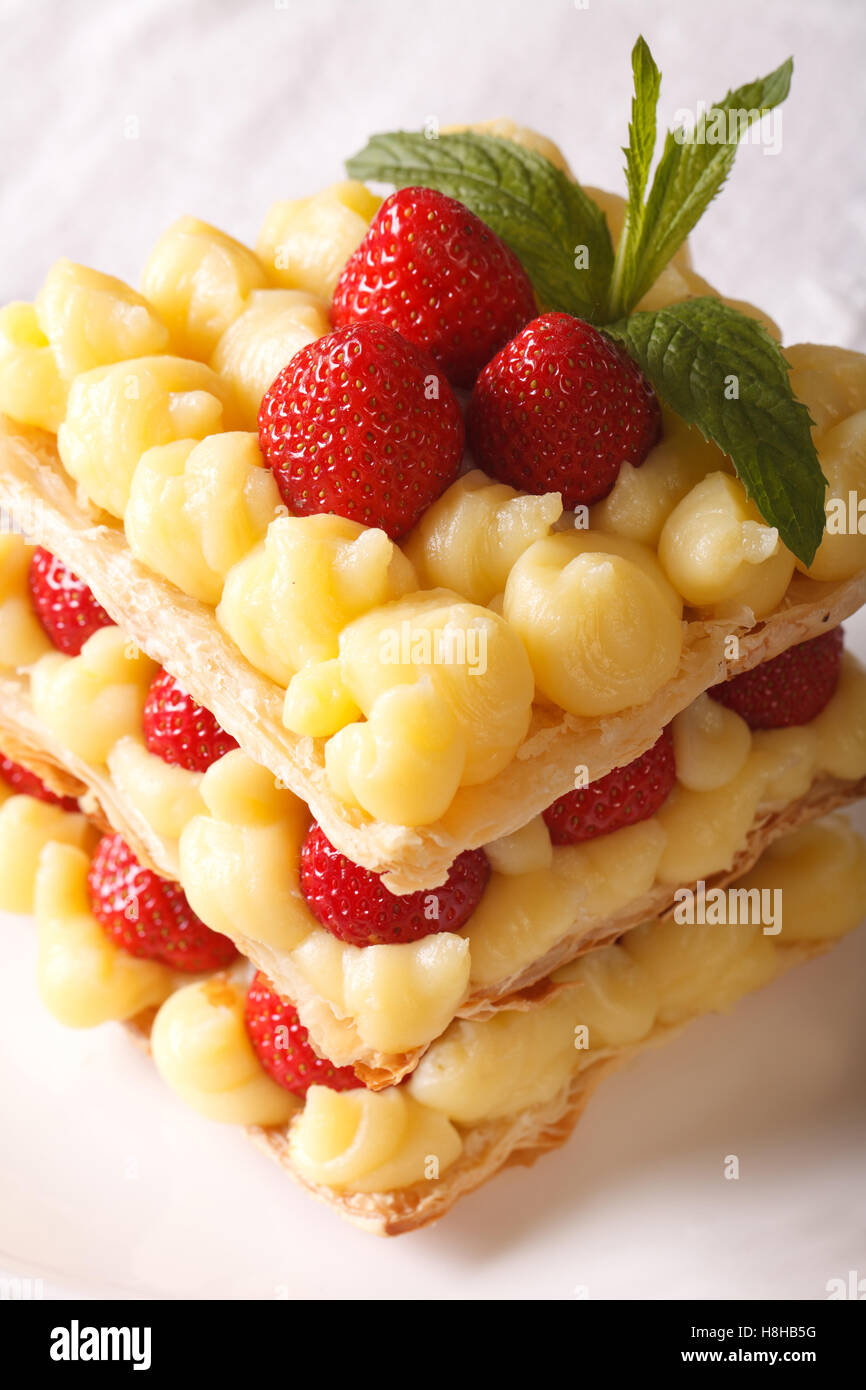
791,689
434,271
355,905
363,424
624,797
282,1044
64,605
178,730
26,783
560,409
149,916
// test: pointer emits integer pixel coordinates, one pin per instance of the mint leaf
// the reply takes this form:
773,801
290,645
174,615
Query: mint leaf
638,158
691,352
691,171
537,210
642,130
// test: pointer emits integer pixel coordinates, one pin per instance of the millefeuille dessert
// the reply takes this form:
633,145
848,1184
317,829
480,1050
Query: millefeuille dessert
424,735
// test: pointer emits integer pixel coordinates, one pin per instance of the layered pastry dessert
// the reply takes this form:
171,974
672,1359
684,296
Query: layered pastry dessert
399,623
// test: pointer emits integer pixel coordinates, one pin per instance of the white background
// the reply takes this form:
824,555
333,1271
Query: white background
106,1183
240,102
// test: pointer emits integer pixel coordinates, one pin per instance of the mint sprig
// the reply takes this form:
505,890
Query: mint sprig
638,160
692,169
721,370
537,210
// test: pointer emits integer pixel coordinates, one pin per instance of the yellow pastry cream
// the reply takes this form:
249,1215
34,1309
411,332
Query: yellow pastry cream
22,637
201,1049
84,978
27,825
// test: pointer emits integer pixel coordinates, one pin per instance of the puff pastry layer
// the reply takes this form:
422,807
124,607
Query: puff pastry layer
182,635
26,740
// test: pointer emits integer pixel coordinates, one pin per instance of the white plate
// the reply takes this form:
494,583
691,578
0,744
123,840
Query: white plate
110,1187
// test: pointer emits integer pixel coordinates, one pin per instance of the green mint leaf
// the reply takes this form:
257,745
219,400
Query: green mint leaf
642,130
693,352
537,210
691,171
638,159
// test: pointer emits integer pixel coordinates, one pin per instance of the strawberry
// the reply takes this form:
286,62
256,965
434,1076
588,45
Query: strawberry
434,271
178,730
624,797
355,905
281,1043
559,409
791,689
149,916
64,605
26,783
363,424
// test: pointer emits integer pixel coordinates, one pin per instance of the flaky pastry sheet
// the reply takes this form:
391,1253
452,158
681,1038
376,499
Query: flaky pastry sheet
24,738
183,635
532,985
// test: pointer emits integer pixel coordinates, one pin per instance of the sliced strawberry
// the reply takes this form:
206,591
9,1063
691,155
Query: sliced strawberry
26,783
363,424
624,797
560,409
281,1043
434,271
178,730
791,689
149,916
64,605
354,904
